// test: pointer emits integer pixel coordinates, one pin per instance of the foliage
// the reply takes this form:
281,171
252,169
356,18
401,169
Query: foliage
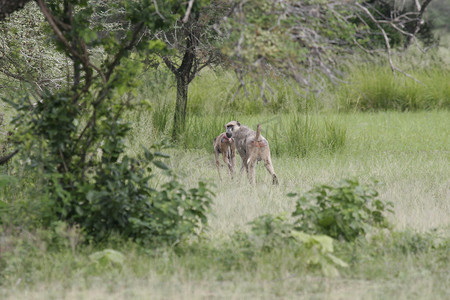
344,210
29,262
107,258
272,233
74,137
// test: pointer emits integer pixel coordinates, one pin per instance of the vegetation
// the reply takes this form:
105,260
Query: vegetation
343,211
108,187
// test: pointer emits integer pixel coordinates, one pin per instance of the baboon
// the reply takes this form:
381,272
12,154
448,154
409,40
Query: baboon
225,145
252,147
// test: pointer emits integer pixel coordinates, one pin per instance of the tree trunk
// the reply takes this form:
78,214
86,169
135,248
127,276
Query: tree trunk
184,75
179,118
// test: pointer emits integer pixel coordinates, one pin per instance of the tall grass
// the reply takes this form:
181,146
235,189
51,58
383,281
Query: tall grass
408,152
370,86
373,87
293,135
161,118
200,132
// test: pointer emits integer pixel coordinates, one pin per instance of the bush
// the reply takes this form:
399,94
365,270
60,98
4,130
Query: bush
121,200
344,210
274,234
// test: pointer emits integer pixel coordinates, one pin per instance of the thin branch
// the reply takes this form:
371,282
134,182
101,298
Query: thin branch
157,10
46,12
188,11
388,46
170,65
5,159
122,52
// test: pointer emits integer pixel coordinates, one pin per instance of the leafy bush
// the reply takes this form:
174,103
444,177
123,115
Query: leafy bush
273,233
120,199
73,137
344,210
95,184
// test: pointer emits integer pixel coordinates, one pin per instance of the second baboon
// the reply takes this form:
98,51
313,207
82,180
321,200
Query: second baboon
252,147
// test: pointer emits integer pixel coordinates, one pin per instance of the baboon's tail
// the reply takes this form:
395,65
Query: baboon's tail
258,133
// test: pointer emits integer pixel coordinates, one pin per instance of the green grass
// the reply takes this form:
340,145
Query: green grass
314,139
368,85
374,88
407,152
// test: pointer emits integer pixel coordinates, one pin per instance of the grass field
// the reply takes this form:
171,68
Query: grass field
372,125
409,153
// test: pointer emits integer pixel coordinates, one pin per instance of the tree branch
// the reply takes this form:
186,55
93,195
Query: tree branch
188,11
46,12
5,159
388,46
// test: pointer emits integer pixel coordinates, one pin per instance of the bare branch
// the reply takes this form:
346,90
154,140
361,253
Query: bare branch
6,158
46,12
188,11
388,46
157,10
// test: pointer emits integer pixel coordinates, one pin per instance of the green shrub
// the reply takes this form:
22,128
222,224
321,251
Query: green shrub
271,234
120,200
344,210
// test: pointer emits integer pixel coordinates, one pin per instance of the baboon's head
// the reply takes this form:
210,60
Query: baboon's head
231,127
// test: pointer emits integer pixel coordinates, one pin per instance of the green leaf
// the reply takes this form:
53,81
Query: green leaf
107,256
161,165
159,154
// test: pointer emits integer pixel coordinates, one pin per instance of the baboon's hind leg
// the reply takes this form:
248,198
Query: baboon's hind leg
251,169
217,163
269,167
227,162
233,158
243,166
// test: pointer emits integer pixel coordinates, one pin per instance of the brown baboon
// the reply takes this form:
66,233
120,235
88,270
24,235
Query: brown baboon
252,147
225,145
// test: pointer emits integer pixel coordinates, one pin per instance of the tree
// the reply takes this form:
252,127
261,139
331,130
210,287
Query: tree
403,21
74,135
195,46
